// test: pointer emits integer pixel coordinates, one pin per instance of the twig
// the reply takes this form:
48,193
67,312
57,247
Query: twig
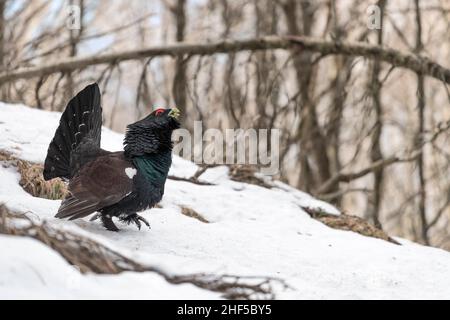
191,180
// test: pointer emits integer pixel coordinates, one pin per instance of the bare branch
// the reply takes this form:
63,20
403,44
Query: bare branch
396,58
347,177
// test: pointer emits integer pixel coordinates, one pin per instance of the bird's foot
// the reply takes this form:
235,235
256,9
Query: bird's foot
106,221
136,219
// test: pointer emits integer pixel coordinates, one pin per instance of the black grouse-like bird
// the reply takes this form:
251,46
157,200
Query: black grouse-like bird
114,184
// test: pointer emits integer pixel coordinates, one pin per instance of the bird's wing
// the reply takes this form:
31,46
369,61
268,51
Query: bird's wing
98,184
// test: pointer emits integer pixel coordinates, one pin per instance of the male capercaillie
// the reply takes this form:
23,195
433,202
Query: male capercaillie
114,184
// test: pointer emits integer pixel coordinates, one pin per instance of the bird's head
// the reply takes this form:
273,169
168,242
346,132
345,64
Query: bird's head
162,119
159,120
153,133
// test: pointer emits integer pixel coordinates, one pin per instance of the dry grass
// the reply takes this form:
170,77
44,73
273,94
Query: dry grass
349,223
31,178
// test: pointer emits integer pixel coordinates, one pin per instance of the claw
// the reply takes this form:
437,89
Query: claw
144,221
136,219
138,223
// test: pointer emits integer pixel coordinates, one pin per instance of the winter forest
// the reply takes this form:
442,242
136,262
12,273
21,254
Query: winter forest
360,90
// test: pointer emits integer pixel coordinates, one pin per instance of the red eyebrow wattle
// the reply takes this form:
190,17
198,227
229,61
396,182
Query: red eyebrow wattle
159,111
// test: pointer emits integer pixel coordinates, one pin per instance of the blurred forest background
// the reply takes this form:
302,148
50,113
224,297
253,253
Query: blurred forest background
357,131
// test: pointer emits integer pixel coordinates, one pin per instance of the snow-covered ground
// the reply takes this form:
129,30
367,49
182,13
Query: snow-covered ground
253,231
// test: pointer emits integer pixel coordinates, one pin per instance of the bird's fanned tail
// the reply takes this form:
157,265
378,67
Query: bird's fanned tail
80,122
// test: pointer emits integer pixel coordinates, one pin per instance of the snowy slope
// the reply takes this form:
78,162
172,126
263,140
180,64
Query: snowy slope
252,231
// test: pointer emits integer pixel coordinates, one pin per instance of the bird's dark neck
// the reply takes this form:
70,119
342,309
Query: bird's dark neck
154,167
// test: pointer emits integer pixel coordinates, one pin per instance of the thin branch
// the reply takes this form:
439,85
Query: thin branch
347,177
191,180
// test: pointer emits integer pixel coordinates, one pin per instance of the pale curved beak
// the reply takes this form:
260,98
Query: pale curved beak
174,113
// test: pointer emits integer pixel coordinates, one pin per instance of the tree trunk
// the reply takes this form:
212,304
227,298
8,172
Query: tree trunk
179,81
74,39
2,46
375,152
420,133
312,143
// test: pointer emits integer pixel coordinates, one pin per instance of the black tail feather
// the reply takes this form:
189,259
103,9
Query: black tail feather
82,118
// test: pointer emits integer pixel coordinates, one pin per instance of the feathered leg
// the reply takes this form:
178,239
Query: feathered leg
106,221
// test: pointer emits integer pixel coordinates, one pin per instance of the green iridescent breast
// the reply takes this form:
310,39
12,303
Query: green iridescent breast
154,167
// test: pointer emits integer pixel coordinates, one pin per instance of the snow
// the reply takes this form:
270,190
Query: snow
252,231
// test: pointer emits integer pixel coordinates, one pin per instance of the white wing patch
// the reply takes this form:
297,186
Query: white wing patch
130,172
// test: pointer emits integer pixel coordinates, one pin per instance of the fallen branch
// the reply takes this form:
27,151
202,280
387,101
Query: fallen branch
91,256
394,57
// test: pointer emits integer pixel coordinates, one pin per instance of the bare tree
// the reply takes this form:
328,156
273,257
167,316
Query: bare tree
178,11
375,152
421,131
2,42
